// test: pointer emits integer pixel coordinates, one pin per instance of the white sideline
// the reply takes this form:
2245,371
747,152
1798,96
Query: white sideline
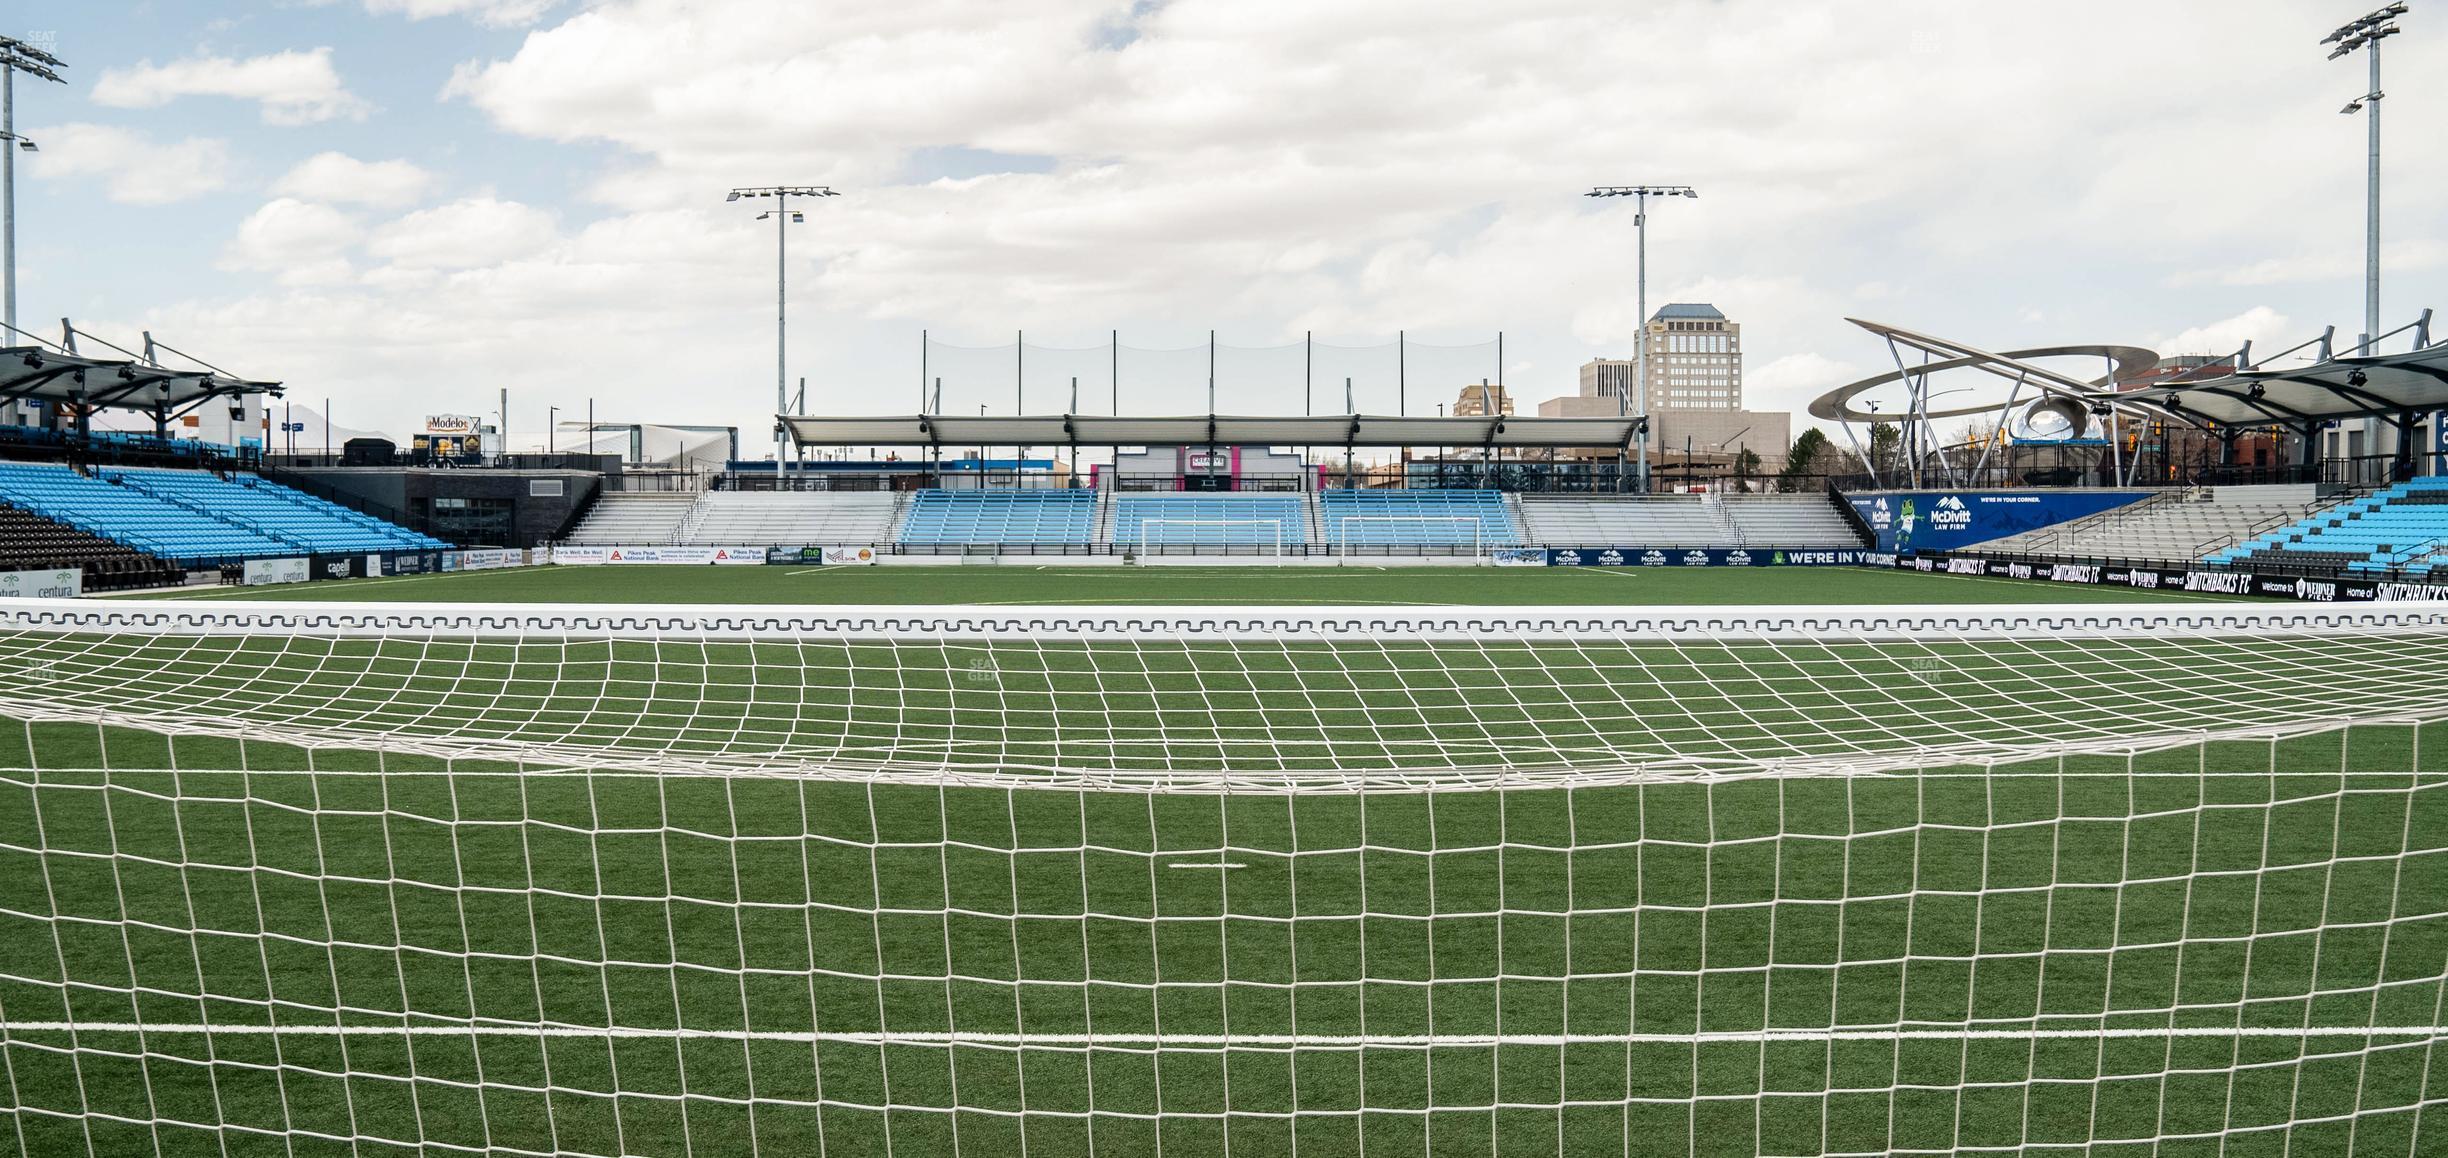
1252,1040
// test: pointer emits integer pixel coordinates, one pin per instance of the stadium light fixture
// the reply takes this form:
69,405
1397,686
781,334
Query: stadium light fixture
1640,228
2366,32
16,56
783,216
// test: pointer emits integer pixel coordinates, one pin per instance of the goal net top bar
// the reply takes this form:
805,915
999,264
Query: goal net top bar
1831,624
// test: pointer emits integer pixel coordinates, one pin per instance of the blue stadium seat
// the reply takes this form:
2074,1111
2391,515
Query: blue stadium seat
1019,517
1422,518
2403,528
1187,519
196,517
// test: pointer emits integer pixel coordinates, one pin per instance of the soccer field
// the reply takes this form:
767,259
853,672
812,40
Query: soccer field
1021,585
2157,880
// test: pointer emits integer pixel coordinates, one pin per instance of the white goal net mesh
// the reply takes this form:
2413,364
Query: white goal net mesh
1834,881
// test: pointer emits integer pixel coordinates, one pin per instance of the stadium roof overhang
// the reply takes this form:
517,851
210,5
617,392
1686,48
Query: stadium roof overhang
47,375
2382,385
1501,431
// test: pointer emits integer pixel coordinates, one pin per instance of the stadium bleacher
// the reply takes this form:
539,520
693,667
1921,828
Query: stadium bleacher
316,524
1018,517
1196,519
2173,527
29,542
1790,522
788,518
197,517
1422,518
1425,520
633,519
2403,528
1628,520
1773,521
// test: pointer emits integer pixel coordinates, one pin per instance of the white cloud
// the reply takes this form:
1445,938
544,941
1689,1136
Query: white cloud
134,168
2323,265
1791,382
338,177
1272,166
477,231
292,88
2259,325
303,242
498,13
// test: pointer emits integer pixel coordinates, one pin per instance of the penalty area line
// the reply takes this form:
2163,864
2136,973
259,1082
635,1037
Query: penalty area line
1246,1040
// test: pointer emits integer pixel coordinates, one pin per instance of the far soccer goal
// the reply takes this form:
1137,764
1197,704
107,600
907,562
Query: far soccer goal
1411,531
1261,534
346,878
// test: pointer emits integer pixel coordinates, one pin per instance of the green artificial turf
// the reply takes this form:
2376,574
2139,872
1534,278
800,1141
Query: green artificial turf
192,879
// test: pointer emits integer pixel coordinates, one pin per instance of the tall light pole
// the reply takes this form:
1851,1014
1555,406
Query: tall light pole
16,56
2367,32
782,215
1640,228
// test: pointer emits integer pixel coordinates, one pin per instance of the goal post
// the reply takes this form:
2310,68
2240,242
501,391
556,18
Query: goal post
969,880
1477,534
1149,532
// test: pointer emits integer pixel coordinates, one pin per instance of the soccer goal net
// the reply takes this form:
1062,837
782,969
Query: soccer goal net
1159,534
1411,531
348,879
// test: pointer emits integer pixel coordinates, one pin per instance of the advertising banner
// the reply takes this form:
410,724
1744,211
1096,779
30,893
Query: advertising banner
1702,557
491,559
339,566
413,562
261,572
686,556
2219,582
49,583
856,556
1518,557
1907,521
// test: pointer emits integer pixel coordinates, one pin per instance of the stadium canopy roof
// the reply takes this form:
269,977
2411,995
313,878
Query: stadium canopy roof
1508,431
2384,385
51,376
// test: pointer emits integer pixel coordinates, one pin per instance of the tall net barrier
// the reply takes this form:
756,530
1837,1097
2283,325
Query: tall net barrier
1119,376
347,879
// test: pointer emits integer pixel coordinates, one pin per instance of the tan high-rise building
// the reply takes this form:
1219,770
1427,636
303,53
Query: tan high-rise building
1695,362
1473,401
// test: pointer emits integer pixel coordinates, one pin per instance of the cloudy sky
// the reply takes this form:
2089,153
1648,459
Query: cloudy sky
405,205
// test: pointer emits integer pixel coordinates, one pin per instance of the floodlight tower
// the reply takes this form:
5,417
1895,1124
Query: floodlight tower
2367,32
1640,229
16,56
783,215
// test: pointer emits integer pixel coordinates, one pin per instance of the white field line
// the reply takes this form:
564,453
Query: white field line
1249,1040
1206,864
